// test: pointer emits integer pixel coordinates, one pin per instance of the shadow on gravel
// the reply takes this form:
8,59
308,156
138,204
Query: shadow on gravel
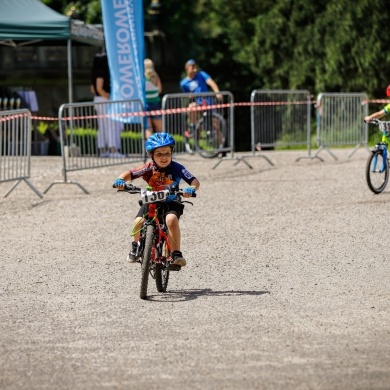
189,295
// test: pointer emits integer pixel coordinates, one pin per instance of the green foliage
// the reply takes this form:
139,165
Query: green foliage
88,11
320,46
81,132
42,127
330,46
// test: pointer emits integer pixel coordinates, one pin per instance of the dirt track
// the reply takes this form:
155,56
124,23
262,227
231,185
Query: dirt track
287,284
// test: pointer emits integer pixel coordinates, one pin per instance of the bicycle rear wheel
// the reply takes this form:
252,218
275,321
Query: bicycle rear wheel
162,278
162,272
211,135
146,260
377,172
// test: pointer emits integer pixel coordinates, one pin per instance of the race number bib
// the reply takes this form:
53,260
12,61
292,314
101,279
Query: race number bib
154,196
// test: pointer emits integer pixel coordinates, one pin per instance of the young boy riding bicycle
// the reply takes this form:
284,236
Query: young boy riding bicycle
160,173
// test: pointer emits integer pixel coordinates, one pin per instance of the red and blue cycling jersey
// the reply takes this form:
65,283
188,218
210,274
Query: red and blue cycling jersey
160,178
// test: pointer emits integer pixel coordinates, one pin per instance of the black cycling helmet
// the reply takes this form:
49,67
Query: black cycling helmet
159,140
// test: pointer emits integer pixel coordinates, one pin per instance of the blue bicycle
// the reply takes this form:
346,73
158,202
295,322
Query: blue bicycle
377,168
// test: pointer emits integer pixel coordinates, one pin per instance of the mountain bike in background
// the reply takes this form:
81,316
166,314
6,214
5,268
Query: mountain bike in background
377,168
208,135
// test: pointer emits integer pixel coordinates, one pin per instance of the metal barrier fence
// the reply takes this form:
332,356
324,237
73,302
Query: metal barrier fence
177,115
15,148
100,134
340,121
279,118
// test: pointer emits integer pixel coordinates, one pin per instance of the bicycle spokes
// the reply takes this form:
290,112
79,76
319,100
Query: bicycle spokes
377,171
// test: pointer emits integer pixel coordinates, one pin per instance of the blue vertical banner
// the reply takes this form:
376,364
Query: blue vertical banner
123,22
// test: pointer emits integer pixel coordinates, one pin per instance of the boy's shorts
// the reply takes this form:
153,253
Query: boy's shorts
164,209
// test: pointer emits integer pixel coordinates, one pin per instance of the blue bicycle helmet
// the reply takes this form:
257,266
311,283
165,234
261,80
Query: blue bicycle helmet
159,140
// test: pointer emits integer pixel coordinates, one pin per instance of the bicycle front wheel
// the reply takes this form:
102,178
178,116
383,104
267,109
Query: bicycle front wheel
211,133
146,260
377,172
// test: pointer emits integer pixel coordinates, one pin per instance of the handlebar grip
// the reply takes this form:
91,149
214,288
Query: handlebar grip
181,193
131,187
373,121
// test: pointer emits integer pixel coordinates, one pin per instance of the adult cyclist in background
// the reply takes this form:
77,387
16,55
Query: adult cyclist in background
160,173
197,82
380,114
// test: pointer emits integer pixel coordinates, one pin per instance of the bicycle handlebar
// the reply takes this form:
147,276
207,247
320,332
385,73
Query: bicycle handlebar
384,126
373,121
132,189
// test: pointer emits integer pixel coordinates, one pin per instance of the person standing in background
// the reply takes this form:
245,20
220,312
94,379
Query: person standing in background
109,130
153,89
197,82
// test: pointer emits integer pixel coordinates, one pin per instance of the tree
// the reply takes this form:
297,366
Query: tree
334,45
87,10
316,45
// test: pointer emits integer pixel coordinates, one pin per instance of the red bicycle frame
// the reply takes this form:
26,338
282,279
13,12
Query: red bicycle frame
153,216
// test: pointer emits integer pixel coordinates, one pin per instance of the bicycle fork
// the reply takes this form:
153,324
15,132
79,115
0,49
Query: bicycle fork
161,239
383,150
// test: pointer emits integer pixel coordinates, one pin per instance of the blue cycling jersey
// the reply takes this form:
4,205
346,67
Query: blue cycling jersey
196,85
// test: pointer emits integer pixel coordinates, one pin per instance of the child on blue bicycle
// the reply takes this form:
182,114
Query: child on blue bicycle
161,172
380,114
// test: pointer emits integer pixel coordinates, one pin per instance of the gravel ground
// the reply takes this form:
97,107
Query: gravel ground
286,287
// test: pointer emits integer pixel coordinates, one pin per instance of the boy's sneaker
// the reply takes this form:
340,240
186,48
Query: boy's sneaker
133,255
178,259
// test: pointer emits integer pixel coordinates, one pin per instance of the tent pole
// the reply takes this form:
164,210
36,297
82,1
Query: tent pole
70,78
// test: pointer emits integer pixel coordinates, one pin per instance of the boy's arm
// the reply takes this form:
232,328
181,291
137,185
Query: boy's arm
126,176
119,182
376,115
189,191
195,183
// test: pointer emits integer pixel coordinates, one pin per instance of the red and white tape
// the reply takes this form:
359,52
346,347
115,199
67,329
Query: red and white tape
171,110
177,110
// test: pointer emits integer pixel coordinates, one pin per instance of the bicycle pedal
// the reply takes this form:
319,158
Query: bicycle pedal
174,267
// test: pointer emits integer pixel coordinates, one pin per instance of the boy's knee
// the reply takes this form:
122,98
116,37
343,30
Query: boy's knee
171,220
138,221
